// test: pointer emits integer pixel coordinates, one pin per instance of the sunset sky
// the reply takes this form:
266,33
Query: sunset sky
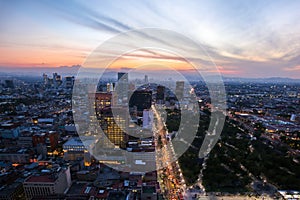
244,38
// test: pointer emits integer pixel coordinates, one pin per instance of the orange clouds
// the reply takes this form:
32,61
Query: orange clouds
295,68
30,57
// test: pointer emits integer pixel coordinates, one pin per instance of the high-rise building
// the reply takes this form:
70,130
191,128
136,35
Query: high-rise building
179,91
45,79
101,100
146,79
69,82
142,99
123,76
56,80
114,123
160,94
122,88
113,119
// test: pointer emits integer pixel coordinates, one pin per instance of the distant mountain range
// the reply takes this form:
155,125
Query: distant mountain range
72,71
262,80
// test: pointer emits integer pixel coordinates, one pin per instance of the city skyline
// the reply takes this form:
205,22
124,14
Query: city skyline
245,39
52,139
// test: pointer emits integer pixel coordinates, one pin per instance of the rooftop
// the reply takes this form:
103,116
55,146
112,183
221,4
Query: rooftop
46,176
49,178
75,141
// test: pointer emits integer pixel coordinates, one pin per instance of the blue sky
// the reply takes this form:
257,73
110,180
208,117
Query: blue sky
244,38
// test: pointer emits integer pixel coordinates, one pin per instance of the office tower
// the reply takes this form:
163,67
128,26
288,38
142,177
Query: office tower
146,79
114,123
142,99
45,79
55,84
160,94
123,76
122,88
56,80
179,91
100,100
113,120
56,77
69,82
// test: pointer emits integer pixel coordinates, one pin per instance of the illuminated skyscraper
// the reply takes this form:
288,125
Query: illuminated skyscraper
101,100
114,123
113,120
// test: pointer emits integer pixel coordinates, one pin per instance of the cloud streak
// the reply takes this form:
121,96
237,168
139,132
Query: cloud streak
242,37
